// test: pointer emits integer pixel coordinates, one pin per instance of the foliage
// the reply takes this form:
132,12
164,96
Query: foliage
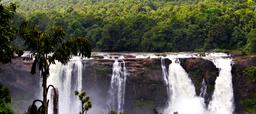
155,111
251,41
150,25
5,101
250,72
7,33
48,44
43,40
113,112
249,104
85,101
34,109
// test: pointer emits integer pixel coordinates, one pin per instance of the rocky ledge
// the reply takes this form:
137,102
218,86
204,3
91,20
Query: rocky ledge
145,88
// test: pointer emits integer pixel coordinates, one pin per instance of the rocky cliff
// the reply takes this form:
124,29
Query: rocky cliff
145,89
22,85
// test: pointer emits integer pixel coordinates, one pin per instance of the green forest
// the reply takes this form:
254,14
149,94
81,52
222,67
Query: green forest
68,27
147,25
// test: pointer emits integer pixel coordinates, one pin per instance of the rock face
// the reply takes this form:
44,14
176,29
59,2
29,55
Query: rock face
22,85
145,88
199,69
244,86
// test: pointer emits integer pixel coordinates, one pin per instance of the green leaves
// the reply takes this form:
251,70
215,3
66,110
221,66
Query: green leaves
249,104
113,112
7,32
50,45
130,25
76,93
250,72
74,46
80,46
5,101
251,41
6,108
85,101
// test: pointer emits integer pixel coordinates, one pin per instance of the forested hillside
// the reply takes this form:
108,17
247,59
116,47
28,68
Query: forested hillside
148,25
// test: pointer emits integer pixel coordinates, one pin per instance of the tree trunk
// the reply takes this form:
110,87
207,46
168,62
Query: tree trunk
45,94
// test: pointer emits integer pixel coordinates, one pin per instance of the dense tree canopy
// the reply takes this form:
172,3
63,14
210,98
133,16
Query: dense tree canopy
5,101
48,45
150,25
60,28
7,32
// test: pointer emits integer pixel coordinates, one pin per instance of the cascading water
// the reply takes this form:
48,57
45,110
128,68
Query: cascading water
67,78
117,87
203,89
53,79
222,99
165,76
183,98
164,71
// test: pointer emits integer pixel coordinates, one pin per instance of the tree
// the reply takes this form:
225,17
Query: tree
85,101
251,41
5,101
7,33
156,39
132,25
49,46
7,50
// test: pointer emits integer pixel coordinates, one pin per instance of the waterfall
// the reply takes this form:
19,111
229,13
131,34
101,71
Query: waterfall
165,76
203,89
164,71
117,87
53,79
222,99
183,98
181,90
67,78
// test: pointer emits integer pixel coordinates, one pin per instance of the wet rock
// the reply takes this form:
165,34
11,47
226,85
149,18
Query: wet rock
244,86
199,69
22,85
145,89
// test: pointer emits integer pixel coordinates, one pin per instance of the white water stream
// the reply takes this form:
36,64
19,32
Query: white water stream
182,96
183,99
67,78
222,99
117,87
